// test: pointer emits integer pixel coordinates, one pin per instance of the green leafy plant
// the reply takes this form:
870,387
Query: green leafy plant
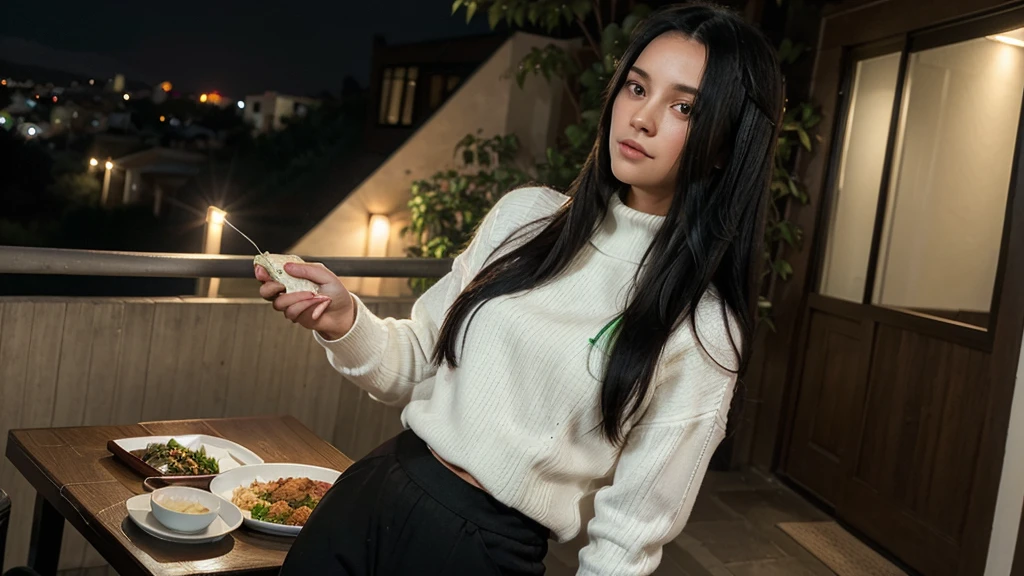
436,203
446,207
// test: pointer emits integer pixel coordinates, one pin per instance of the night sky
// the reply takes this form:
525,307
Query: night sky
234,46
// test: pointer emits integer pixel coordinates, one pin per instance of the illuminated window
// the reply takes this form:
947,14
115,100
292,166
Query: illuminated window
436,91
385,94
395,102
410,96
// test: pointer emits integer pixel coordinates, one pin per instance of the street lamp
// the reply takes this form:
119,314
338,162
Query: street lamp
94,162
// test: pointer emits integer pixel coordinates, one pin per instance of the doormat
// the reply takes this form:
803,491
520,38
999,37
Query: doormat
839,550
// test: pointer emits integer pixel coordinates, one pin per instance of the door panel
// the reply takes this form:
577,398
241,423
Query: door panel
912,475
826,411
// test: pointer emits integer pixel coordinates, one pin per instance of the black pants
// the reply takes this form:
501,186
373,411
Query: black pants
399,511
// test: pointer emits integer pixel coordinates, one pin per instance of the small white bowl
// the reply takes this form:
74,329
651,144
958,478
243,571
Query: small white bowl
180,521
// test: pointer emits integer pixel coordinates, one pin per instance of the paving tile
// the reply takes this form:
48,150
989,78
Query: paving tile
703,557
770,506
783,567
734,541
737,480
675,561
708,508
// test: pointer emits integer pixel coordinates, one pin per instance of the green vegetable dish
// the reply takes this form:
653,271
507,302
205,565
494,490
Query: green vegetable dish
173,458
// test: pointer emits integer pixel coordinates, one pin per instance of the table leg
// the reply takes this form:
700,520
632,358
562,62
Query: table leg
47,532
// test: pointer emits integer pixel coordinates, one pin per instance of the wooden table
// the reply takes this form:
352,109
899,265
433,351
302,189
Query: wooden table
78,480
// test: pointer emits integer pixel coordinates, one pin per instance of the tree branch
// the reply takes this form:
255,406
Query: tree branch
590,39
597,14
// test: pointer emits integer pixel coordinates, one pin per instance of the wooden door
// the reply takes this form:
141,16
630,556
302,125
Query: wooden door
893,370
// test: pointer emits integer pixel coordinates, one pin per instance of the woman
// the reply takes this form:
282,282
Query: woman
582,342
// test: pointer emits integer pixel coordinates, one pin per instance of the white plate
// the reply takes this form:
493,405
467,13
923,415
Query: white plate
228,454
224,484
139,511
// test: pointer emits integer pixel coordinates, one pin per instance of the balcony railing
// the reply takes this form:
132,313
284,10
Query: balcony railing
58,261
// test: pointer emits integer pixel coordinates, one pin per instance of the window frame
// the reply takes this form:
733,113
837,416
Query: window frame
906,44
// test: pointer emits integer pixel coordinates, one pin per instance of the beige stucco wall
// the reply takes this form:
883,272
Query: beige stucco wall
489,101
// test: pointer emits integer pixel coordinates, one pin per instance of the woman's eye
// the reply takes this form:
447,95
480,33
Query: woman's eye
684,108
635,89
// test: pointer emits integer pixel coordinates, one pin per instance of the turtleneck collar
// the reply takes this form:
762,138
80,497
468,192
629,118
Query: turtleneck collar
625,233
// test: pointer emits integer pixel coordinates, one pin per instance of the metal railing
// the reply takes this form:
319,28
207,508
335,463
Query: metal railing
60,261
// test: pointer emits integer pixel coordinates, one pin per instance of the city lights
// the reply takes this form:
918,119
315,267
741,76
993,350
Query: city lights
94,162
166,86
241,105
109,165
32,131
203,97
54,99
163,118
92,82
3,82
3,120
126,97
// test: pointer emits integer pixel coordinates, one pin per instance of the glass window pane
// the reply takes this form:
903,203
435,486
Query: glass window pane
951,175
410,96
397,81
436,89
385,95
855,198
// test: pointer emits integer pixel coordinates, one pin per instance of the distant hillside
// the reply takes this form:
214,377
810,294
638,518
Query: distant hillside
42,75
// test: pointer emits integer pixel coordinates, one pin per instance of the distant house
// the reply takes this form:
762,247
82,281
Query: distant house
423,99
266,112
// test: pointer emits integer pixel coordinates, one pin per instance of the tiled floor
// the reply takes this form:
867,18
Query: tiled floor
732,532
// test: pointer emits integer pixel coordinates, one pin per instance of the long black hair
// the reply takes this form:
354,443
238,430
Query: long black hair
712,234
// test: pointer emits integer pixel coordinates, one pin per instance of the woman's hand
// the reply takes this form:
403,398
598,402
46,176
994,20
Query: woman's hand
331,312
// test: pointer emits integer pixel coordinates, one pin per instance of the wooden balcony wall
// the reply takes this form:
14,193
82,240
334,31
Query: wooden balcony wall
75,362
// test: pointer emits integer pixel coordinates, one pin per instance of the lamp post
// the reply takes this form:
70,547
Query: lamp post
211,245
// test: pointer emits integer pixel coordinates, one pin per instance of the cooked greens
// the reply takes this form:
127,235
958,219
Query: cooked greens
173,458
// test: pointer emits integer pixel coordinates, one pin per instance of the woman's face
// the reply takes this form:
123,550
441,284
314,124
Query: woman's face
651,113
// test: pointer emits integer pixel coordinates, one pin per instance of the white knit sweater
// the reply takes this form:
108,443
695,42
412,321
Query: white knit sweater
521,412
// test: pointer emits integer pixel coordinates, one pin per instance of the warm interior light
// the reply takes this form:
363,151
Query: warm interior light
166,86
380,233
202,97
109,165
1012,37
215,215
163,118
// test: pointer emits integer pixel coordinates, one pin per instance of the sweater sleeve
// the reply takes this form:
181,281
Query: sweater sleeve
387,357
660,470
